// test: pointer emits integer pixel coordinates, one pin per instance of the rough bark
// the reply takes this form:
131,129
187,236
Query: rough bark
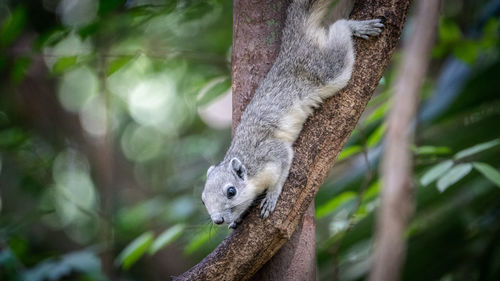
256,40
254,242
296,259
397,202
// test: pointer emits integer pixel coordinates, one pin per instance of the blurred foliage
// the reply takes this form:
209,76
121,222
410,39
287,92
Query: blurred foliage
111,111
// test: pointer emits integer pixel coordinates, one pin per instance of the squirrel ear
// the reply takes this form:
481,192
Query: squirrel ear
210,169
238,168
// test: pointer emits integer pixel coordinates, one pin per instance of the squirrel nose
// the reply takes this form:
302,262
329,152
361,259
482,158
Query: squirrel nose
219,220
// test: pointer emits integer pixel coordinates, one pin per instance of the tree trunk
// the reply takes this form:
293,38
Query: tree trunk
256,41
296,260
255,241
397,167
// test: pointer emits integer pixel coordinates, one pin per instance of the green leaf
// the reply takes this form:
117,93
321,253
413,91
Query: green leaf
196,11
117,64
491,27
63,64
19,69
12,138
467,51
440,50
490,33
167,237
110,5
372,191
378,113
435,172
334,203
449,31
213,89
199,240
454,175
377,135
432,150
381,98
488,172
135,250
476,149
348,151
12,26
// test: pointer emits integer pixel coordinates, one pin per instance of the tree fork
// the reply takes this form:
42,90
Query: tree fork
255,241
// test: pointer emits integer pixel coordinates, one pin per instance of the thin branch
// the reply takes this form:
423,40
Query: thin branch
397,202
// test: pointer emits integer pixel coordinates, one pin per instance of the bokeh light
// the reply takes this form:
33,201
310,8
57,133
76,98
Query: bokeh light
73,195
66,45
77,87
152,102
140,143
93,116
77,13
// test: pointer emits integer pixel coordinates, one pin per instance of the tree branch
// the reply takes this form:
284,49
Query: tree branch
256,240
397,167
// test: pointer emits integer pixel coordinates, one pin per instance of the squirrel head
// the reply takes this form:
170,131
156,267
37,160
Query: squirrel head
226,194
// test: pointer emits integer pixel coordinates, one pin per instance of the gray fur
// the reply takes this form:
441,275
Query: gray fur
313,64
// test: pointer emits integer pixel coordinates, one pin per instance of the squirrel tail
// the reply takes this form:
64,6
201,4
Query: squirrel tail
313,13
321,11
304,16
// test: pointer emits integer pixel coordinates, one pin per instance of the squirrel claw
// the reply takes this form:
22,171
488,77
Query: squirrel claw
268,204
235,223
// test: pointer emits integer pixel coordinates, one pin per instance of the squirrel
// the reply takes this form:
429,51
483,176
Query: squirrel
314,62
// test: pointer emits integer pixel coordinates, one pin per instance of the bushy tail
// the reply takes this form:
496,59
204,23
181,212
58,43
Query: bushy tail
313,13
341,10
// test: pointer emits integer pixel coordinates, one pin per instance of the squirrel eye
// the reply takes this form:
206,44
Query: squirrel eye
231,192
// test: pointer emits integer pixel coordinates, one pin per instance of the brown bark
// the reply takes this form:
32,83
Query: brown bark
254,242
296,259
397,201
256,40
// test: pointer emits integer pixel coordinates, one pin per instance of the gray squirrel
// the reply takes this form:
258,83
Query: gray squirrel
314,62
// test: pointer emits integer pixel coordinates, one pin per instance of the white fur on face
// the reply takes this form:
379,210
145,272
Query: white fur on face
215,197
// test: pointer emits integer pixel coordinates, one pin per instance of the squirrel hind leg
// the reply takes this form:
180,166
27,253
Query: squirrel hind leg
340,57
366,28
336,60
340,33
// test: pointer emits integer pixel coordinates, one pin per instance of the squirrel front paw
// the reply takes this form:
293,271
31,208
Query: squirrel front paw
268,203
235,223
